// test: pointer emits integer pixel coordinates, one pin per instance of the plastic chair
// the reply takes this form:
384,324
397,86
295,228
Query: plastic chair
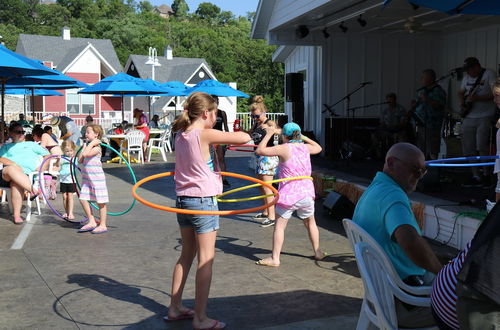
32,176
356,235
134,141
380,286
162,143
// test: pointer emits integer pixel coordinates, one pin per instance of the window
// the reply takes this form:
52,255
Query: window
79,103
87,104
72,101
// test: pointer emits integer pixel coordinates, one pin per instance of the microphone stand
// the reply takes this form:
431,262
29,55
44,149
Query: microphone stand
347,97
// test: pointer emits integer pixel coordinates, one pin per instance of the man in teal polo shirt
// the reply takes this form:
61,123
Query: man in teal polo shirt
384,211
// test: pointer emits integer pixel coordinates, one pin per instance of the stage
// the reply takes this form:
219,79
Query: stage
450,213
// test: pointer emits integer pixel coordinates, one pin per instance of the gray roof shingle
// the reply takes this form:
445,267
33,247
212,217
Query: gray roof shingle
62,52
178,68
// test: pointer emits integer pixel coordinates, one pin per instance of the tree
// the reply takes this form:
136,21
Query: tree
180,8
208,11
145,7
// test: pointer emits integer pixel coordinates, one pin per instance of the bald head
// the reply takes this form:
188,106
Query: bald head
404,151
405,164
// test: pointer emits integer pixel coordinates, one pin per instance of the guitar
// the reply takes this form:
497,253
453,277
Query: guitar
466,107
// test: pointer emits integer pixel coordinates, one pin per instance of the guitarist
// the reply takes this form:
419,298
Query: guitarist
477,109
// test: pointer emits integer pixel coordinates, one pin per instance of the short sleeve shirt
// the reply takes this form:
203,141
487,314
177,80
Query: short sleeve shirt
481,109
382,208
393,117
431,116
25,154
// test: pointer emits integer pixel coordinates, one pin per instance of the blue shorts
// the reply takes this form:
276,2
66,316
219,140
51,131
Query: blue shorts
201,223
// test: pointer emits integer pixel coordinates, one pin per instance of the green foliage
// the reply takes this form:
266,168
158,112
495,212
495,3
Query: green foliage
217,36
180,8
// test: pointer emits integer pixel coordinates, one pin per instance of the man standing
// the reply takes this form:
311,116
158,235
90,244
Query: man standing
68,128
429,114
384,211
477,110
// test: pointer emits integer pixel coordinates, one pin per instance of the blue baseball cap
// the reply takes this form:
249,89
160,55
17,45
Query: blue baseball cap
289,128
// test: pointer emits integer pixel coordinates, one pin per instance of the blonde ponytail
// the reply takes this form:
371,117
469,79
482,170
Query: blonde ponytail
194,106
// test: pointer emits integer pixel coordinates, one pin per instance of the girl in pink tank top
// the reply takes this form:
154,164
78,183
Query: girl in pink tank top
196,185
295,195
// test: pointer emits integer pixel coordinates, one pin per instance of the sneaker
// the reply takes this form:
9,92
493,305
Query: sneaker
259,216
267,223
473,182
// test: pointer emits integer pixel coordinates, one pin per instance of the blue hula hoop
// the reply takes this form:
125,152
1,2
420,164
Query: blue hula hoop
444,162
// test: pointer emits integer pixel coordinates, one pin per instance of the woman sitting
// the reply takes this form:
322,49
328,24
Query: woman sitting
46,141
11,175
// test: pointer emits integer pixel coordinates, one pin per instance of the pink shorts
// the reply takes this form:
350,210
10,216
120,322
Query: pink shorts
304,208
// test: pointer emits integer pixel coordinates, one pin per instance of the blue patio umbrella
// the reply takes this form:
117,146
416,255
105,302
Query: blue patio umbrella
33,92
452,7
176,87
214,87
124,85
58,81
15,65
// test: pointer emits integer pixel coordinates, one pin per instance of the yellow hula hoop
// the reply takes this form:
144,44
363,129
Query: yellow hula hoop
256,185
243,199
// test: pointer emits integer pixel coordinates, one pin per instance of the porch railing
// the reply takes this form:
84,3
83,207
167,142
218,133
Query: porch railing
246,119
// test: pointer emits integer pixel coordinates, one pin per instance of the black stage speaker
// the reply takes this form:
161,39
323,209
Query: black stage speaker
294,87
339,206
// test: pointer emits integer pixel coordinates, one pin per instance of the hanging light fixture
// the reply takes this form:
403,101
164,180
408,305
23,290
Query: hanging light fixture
361,21
325,33
342,27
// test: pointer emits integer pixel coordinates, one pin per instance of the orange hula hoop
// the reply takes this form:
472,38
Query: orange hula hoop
184,211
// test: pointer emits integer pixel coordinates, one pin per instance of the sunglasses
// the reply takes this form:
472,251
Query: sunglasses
256,116
418,171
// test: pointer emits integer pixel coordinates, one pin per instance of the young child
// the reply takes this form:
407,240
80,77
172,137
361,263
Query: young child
196,186
93,180
66,183
295,195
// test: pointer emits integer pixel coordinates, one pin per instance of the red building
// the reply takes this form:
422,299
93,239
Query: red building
85,59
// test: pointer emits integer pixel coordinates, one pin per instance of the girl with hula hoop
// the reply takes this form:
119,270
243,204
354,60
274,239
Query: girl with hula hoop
295,195
67,187
197,186
93,180
265,166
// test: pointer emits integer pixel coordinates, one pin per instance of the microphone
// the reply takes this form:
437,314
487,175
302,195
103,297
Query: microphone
366,83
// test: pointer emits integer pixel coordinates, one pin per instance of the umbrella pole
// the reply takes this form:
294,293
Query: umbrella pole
2,122
123,112
33,105
149,101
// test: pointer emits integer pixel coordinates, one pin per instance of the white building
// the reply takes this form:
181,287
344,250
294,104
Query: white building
390,50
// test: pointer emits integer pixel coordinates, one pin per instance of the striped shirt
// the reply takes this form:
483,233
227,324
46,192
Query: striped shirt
444,295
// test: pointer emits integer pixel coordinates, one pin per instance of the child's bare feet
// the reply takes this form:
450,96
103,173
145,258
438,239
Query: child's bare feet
70,216
268,262
100,230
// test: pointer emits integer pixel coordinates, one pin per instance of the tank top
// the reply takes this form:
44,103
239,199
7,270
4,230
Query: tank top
193,177
299,164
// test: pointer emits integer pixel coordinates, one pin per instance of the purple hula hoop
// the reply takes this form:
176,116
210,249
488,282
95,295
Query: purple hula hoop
49,204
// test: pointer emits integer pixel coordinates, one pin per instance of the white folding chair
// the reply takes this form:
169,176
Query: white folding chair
356,235
134,141
162,143
381,288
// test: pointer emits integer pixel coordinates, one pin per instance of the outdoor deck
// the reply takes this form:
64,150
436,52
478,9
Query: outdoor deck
63,280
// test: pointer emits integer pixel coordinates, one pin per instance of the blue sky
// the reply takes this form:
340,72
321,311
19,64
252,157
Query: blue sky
238,7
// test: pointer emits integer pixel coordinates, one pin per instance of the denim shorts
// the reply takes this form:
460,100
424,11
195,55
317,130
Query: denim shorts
201,223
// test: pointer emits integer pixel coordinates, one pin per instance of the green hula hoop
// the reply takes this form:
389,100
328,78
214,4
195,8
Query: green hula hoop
73,173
